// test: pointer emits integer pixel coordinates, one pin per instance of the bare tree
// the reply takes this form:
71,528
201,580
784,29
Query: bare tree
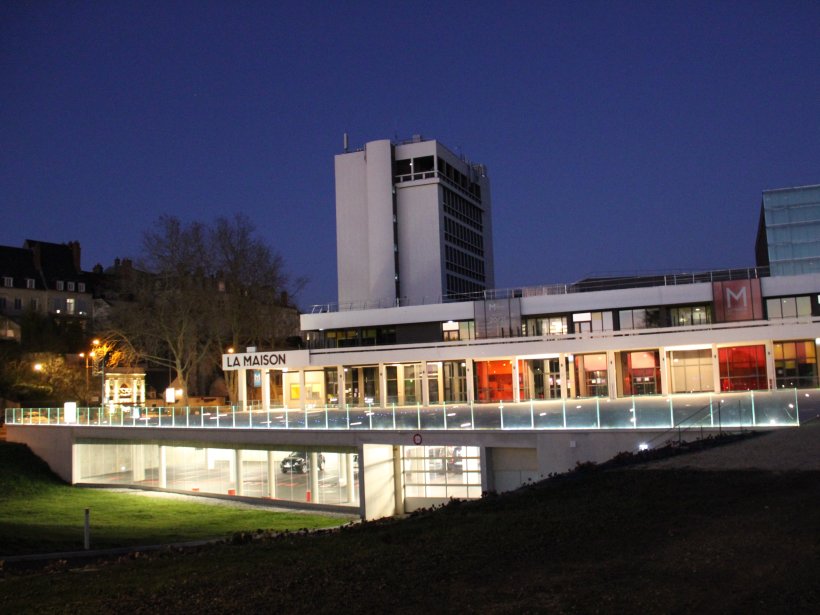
207,288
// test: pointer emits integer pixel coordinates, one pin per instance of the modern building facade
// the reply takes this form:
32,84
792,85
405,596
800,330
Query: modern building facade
393,405
788,240
413,224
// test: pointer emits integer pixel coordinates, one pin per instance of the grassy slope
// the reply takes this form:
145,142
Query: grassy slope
621,541
39,513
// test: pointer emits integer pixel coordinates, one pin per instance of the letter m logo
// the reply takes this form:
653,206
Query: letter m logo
738,297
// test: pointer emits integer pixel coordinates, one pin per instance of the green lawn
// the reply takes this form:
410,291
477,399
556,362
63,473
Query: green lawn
40,514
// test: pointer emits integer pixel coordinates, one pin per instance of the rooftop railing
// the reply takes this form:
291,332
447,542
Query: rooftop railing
714,410
591,284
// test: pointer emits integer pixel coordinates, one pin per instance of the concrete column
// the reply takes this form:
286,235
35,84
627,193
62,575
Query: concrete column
611,375
771,374
562,374
265,389
76,470
715,368
351,477
341,377
242,388
302,395
666,389
240,474
137,463
516,382
571,384
425,390
470,381
271,476
313,484
398,482
382,401
162,480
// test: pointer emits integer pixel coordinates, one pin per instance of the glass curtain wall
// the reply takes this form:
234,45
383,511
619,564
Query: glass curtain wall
403,383
540,379
691,371
278,474
493,381
640,373
591,379
742,368
441,471
795,364
362,385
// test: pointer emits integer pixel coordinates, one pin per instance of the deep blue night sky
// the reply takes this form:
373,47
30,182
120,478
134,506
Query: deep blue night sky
619,136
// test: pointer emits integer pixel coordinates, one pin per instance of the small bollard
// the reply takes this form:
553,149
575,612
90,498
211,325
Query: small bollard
87,533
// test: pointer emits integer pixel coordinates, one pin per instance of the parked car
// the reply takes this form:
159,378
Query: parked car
300,463
455,459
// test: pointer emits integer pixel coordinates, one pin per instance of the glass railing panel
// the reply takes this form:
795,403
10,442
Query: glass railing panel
432,417
652,412
548,414
516,416
691,409
359,417
617,413
487,416
582,413
778,407
407,417
458,416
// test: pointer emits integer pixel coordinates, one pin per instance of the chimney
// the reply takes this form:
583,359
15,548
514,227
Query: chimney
75,253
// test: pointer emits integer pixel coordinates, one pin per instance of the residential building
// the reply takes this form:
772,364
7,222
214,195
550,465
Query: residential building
413,224
43,278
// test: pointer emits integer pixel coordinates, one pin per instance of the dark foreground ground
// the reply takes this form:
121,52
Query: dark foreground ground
618,541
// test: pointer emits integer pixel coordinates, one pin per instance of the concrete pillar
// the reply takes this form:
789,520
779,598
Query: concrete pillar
398,482
240,474
302,395
571,384
341,393
265,390
271,476
666,389
715,368
470,381
242,388
313,484
162,480
611,375
382,401
562,374
137,463
351,477
771,374
76,470
516,382
425,390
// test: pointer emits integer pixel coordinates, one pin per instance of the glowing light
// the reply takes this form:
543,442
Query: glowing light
643,446
38,367
468,424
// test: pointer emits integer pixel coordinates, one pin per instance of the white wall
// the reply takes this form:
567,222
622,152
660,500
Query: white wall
377,481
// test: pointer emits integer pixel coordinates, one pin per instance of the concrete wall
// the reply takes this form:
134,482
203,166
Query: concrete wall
509,458
52,444
377,481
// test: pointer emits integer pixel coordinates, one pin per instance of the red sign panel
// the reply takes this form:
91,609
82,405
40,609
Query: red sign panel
737,300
